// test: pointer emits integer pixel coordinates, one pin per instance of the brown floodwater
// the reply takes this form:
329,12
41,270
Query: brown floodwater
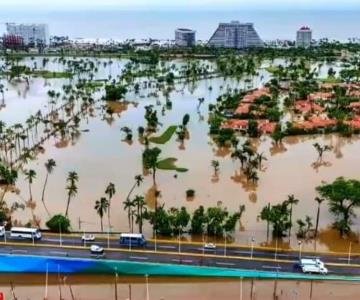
100,155
103,287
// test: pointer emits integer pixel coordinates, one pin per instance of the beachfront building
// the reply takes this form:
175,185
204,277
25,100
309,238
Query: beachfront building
32,34
235,35
185,37
304,37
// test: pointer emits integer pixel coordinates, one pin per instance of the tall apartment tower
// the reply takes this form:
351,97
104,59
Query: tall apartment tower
235,35
37,34
185,37
304,37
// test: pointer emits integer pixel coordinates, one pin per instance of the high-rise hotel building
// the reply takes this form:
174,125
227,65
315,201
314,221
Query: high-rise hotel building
235,35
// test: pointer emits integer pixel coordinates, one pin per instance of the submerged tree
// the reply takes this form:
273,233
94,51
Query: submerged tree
101,206
30,176
278,216
343,195
150,158
49,165
71,189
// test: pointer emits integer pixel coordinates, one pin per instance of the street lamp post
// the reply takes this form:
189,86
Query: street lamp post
108,238
252,246
225,244
276,246
60,238
179,242
349,255
300,248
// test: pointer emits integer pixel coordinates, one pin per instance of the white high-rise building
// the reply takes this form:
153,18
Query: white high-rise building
185,37
304,37
37,34
235,35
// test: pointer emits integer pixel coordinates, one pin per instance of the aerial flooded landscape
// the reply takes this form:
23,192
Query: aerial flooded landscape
195,165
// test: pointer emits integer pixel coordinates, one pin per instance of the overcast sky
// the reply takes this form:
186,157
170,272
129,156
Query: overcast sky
258,4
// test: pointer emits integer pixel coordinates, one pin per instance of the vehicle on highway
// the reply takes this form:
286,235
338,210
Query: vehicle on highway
210,246
96,249
2,230
132,240
313,266
88,238
25,233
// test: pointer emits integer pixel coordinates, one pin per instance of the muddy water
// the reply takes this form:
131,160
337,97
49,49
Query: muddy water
100,156
100,287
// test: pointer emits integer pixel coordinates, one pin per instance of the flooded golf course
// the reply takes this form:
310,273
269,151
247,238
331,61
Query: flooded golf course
100,154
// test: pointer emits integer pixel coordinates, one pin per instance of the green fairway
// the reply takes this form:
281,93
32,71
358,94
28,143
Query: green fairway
169,164
165,137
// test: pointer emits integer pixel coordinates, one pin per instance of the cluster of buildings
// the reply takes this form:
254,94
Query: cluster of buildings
235,35
26,35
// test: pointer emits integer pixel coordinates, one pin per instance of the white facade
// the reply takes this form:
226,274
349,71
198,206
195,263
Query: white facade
304,37
31,33
185,37
235,35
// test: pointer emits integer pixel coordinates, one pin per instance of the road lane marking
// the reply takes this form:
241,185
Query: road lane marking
166,247
139,257
19,251
271,267
58,253
225,264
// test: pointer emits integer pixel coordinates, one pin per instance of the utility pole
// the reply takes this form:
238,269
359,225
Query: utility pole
252,291
12,291
116,289
130,291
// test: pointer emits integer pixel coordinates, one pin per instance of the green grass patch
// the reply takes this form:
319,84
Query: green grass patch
272,69
50,75
331,79
168,164
165,137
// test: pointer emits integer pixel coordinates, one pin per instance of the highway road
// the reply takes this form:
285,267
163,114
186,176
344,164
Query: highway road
179,253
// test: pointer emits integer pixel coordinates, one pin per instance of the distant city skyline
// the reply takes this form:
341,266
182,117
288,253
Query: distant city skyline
188,4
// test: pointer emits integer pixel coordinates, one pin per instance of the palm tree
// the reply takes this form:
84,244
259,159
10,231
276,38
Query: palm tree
319,201
30,176
138,180
128,205
291,200
139,202
215,164
110,191
49,165
260,158
321,150
101,207
71,188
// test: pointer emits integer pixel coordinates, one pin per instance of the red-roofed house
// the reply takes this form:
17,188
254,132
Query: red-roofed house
321,96
306,106
243,108
236,124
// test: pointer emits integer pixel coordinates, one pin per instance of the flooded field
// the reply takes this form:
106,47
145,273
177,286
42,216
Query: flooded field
100,287
100,155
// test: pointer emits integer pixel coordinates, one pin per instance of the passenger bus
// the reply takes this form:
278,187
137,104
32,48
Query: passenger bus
25,233
132,240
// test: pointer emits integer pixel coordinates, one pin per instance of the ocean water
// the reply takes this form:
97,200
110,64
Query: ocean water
123,24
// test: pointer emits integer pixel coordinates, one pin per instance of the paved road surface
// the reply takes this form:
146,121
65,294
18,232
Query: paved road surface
189,254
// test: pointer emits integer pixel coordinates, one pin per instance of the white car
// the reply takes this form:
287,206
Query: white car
210,246
95,249
88,238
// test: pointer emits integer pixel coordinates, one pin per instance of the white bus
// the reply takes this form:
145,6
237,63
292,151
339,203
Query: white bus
132,240
25,233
